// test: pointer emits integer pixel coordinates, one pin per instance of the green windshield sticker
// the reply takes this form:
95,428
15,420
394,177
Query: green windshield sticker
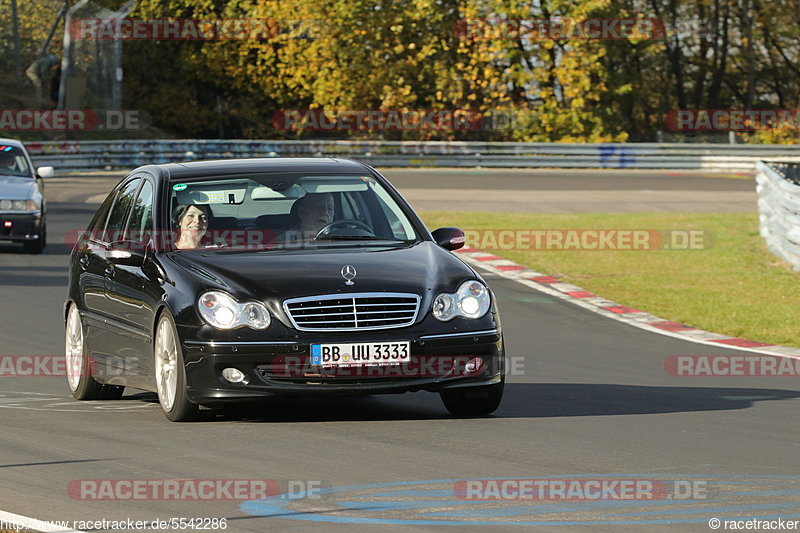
179,186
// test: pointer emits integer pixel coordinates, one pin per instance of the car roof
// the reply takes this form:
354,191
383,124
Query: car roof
12,142
231,167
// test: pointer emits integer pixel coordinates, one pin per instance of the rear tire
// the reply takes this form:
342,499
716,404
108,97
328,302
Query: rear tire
79,365
170,373
473,401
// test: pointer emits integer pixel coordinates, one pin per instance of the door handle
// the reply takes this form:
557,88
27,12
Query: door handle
84,261
109,272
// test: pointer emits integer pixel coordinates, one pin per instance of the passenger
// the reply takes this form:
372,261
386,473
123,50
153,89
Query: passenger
192,223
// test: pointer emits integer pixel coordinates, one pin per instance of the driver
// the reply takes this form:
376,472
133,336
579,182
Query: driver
8,163
314,212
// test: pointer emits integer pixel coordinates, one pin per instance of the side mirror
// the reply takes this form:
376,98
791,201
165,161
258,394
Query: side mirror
127,253
449,238
46,172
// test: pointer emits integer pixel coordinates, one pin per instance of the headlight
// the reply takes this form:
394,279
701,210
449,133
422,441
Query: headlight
471,300
222,311
18,205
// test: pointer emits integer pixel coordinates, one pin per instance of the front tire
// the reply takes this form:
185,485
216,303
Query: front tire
170,373
79,365
473,401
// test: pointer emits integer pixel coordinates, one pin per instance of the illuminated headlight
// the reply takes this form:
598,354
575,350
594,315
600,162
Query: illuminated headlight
222,311
18,205
471,300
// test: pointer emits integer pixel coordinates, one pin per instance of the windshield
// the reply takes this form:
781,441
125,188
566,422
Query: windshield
278,212
13,162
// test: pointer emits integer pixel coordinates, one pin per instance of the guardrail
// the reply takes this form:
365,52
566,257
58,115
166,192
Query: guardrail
81,155
778,186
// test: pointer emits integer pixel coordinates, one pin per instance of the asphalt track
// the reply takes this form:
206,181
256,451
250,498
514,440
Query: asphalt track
589,399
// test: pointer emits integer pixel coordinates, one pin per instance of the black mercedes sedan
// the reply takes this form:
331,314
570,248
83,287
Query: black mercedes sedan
22,206
231,281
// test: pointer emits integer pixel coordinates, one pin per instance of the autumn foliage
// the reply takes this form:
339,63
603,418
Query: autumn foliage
477,56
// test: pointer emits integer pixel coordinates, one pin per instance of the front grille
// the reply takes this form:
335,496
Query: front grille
353,312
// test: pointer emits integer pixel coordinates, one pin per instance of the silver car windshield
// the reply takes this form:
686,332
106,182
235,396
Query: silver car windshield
275,212
13,162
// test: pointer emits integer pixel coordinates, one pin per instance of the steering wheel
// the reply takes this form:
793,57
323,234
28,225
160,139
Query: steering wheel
325,230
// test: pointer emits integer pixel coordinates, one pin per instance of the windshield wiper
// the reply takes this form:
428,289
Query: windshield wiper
360,242
353,238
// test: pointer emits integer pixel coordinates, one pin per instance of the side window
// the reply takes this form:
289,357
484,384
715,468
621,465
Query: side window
141,221
119,213
348,209
98,223
400,225
398,231
22,165
353,207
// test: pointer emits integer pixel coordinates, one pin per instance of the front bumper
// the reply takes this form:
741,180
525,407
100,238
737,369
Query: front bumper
271,369
23,226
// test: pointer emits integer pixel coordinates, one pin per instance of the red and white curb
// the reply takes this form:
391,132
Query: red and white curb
597,304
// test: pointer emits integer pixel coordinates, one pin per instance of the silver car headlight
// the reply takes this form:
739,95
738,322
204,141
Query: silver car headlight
223,311
471,300
18,205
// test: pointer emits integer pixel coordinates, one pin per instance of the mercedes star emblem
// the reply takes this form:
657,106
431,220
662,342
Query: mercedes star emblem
348,273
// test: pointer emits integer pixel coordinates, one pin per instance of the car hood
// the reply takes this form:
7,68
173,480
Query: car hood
16,188
423,268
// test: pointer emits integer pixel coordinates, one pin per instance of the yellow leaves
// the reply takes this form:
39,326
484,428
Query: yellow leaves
624,89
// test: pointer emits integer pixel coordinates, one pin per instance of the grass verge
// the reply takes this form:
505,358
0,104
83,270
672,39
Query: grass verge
735,286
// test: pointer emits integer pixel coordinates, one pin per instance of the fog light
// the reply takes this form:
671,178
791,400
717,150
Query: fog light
7,223
234,375
473,365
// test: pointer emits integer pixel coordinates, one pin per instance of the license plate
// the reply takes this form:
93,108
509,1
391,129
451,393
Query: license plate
362,353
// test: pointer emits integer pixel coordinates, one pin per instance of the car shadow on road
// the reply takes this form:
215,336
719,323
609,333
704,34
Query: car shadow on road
34,276
521,400
323,409
546,400
52,248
